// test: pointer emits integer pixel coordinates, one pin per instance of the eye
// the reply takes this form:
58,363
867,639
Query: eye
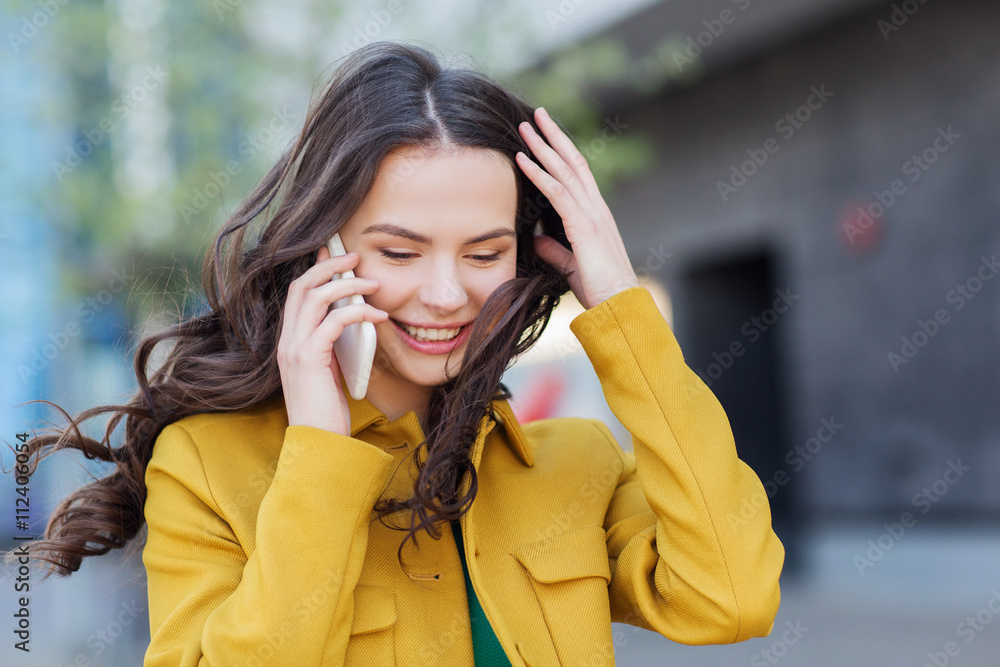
407,255
396,255
486,258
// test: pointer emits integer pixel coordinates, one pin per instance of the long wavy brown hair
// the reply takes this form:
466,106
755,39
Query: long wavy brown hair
380,97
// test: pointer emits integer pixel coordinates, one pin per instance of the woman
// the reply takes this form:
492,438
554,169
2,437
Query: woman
260,478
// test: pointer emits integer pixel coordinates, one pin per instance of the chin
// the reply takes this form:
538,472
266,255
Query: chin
421,373
431,376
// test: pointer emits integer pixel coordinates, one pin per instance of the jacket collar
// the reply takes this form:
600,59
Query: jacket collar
364,414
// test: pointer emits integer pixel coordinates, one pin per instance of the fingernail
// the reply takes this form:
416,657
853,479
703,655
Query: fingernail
542,109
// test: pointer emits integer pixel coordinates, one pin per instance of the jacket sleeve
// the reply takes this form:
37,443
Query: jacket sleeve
290,602
681,566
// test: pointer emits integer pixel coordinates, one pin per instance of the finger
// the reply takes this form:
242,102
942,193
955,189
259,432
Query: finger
565,204
319,273
317,302
322,272
554,253
324,268
567,149
553,162
300,337
333,325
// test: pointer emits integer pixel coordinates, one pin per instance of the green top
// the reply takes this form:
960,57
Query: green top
485,645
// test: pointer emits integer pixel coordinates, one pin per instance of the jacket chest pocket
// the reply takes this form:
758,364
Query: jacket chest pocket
373,630
570,574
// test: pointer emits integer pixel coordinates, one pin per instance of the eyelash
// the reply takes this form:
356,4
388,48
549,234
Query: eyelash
406,255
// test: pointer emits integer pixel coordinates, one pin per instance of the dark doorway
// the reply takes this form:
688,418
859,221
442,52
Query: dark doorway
731,321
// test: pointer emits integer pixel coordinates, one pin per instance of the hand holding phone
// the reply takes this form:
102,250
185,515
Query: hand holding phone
355,348
310,366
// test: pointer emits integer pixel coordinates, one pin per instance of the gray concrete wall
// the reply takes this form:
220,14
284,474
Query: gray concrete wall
893,94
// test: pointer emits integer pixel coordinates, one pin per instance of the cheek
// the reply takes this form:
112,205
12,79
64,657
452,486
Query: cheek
483,284
399,285
389,295
502,274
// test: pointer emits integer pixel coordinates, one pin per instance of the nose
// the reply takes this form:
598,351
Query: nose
443,292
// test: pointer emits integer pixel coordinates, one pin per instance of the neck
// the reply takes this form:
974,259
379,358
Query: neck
395,397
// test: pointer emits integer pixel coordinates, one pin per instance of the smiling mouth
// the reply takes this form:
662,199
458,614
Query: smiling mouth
425,335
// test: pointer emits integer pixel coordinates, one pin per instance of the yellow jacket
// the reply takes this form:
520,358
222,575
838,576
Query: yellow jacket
262,548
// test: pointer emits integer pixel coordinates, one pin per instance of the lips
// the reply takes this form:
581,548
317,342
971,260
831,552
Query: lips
430,346
430,333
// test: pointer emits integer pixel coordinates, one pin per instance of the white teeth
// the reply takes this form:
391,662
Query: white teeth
431,334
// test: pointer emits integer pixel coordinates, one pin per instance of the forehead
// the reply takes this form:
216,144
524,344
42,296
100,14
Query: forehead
406,162
442,189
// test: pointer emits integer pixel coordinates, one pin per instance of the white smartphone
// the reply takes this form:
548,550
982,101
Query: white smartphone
355,349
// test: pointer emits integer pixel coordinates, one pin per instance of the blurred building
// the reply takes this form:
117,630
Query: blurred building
827,200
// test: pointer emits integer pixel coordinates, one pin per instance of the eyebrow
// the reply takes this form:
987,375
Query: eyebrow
396,230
